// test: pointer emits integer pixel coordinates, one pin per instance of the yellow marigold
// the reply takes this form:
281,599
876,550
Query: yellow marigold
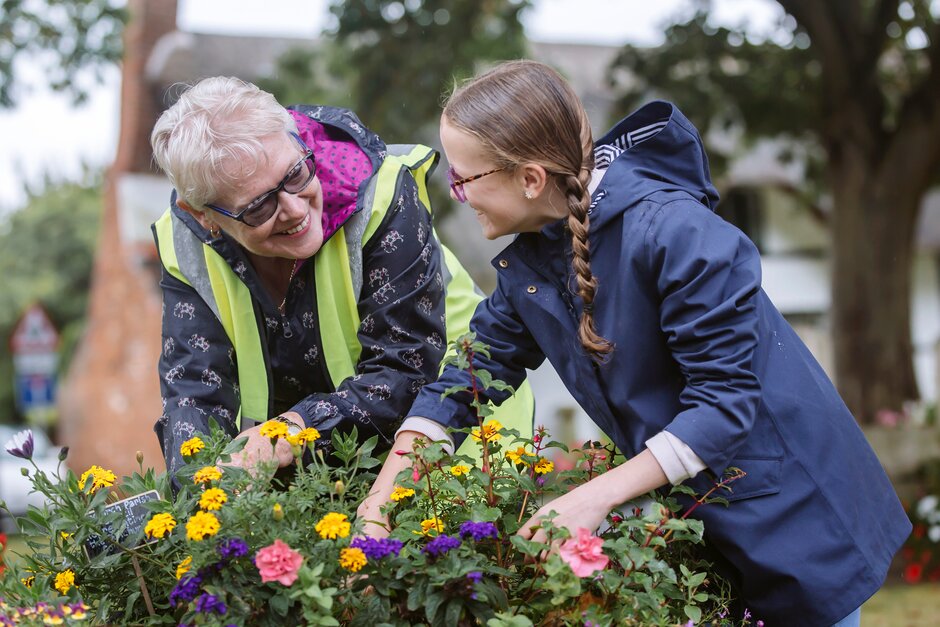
431,526
192,446
207,474
212,499
100,478
333,526
309,435
202,525
352,559
184,566
459,470
489,432
65,580
400,493
518,456
543,466
273,429
29,581
160,525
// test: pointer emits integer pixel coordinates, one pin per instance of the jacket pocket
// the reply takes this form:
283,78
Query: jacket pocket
761,479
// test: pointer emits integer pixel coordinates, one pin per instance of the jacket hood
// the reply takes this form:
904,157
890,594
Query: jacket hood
655,149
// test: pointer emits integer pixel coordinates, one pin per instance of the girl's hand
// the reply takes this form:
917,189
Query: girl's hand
258,449
375,523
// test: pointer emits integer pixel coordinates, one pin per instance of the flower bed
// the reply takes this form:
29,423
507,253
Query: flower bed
232,549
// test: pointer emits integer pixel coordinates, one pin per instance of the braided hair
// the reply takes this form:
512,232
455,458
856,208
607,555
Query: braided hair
525,112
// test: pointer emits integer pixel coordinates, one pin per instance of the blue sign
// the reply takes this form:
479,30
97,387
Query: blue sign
35,391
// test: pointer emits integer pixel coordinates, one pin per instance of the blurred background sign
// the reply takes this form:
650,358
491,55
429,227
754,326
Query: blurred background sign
34,344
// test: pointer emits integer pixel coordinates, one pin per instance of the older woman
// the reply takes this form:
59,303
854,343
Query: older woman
302,279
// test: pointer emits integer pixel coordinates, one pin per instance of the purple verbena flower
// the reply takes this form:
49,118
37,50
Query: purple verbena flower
475,576
441,545
21,445
376,549
209,603
478,530
186,589
232,548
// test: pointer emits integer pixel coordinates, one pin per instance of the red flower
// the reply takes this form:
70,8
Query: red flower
913,573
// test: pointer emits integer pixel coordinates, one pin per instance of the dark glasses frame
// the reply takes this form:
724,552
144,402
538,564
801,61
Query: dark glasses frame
255,214
457,183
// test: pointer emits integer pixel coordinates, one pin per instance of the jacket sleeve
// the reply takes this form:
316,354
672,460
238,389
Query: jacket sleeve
707,274
512,351
402,333
198,377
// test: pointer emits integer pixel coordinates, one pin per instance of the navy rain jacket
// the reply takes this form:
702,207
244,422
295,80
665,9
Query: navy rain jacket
703,353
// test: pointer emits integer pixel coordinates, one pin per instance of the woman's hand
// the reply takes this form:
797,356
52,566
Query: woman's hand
258,449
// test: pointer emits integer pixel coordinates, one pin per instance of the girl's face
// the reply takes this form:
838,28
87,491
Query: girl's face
295,231
499,198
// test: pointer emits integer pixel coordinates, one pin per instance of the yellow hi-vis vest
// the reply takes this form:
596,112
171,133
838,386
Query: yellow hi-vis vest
338,269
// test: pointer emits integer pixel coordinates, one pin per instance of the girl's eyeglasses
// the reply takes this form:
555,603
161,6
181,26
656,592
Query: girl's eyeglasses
262,208
457,183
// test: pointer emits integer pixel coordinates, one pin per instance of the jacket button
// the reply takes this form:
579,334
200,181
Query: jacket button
532,289
503,263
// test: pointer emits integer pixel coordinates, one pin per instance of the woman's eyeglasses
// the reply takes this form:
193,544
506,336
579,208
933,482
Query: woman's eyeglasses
457,183
262,208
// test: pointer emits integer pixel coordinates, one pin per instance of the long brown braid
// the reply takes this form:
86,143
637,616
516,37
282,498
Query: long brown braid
525,112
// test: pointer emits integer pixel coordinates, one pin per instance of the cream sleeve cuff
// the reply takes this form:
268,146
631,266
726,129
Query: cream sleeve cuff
429,429
678,461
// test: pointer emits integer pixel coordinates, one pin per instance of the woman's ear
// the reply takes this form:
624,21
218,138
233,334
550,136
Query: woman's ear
533,179
202,217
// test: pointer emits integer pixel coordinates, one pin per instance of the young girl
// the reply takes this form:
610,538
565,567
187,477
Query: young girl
649,307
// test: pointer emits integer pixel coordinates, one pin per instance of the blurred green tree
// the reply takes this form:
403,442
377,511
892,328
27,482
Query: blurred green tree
856,84
66,36
46,255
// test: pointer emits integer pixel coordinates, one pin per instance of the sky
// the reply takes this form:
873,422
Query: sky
47,134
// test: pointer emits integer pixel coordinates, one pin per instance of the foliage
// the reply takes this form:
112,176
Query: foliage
268,551
46,255
66,35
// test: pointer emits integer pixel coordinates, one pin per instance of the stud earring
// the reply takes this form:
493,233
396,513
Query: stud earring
527,194
214,231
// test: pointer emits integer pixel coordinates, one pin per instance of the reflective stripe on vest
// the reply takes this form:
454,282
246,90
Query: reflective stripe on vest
338,270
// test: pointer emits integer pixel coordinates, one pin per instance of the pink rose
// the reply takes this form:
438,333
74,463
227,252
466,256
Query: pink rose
278,562
583,553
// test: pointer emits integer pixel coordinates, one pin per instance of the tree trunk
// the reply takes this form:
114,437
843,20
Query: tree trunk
873,245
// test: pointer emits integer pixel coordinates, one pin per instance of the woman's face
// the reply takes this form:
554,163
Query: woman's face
295,231
499,198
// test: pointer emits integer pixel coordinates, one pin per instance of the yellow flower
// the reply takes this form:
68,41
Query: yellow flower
65,580
352,559
64,535
202,525
192,446
490,431
29,581
543,466
431,526
213,498
207,474
400,493
159,525
459,470
53,618
309,435
183,567
100,478
518,456
79,611
273,429
277,512
333,526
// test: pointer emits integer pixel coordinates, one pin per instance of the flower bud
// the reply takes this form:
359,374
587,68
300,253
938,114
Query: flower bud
277,512
340,487
24,471
63,453
140,457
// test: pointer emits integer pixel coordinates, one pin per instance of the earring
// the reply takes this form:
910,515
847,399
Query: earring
527,194
214,231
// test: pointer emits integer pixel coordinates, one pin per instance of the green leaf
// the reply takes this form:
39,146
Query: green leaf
693,612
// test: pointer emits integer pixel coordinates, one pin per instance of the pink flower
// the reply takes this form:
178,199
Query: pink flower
278,562
583,553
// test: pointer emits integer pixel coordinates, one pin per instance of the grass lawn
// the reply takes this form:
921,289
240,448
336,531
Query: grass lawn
903,606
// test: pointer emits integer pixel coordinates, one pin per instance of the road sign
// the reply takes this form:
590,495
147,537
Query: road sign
34,333
34,343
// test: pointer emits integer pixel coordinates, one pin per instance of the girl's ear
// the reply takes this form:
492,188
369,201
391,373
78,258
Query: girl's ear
534,180
202,217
